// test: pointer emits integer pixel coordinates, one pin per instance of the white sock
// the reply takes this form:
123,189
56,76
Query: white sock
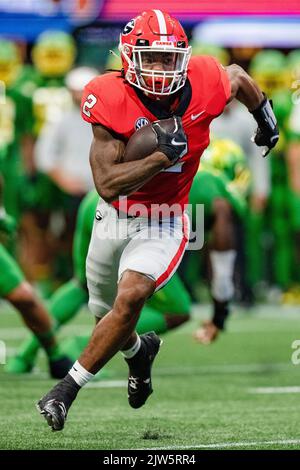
129,353
222,263
80,374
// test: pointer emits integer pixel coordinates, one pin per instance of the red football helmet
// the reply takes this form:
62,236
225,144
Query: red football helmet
155,53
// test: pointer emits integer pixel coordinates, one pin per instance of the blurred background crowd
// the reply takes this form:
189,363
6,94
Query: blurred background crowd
49,51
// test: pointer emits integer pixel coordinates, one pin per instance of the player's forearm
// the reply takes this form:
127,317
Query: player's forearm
249,93
126,178
244,88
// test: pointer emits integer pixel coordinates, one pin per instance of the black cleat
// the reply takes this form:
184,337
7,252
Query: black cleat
59,368
139,379
54,412
54,405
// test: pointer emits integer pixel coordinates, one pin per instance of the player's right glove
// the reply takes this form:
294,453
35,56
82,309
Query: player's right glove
267,133
172,144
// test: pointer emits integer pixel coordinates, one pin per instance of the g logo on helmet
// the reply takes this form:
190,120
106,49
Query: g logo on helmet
141,122
128,28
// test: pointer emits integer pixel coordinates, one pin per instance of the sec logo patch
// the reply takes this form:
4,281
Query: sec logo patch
141,122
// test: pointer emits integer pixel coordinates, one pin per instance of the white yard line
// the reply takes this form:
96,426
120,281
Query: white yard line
274,390
229,445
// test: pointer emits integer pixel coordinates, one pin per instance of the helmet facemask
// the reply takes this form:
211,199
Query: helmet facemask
157,70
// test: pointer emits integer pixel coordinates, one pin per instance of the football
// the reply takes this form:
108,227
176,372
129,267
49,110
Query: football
143,142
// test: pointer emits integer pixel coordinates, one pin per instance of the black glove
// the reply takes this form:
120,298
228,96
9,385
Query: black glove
267,133
172,144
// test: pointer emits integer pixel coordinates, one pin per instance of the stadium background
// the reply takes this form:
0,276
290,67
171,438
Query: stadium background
220,395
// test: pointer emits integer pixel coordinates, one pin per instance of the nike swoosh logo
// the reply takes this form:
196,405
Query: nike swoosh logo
195,116
173,142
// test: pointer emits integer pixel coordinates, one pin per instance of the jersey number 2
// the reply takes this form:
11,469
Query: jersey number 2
88,104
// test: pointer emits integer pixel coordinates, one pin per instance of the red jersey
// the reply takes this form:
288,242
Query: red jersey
110,101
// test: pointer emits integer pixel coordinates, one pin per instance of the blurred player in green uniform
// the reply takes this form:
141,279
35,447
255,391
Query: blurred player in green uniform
19,293
222,185
15,127
292,126
53,55
269,69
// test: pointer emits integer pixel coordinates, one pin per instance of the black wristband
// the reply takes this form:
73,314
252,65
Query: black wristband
265,117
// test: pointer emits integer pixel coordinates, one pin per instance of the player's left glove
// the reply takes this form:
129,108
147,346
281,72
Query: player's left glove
267,133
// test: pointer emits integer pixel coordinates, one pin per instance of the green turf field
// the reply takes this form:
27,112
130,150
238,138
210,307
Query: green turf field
242,392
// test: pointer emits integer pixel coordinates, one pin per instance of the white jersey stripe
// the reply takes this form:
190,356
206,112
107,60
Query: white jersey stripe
161,23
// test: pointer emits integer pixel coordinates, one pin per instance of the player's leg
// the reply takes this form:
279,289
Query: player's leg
36,242
102,276
156,251
144,265
172,304
20,294
222,257
68,299
63,306
282,254
115,331
210,189
166,309
254,227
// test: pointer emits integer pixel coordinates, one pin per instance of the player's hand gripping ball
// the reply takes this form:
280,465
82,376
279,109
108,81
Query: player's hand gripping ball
166,136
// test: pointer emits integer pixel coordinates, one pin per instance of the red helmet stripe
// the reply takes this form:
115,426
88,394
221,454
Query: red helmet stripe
161,23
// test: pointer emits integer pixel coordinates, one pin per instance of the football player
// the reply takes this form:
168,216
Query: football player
19,293
136,245
292,132
221,184
15,127
53,56
270,70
